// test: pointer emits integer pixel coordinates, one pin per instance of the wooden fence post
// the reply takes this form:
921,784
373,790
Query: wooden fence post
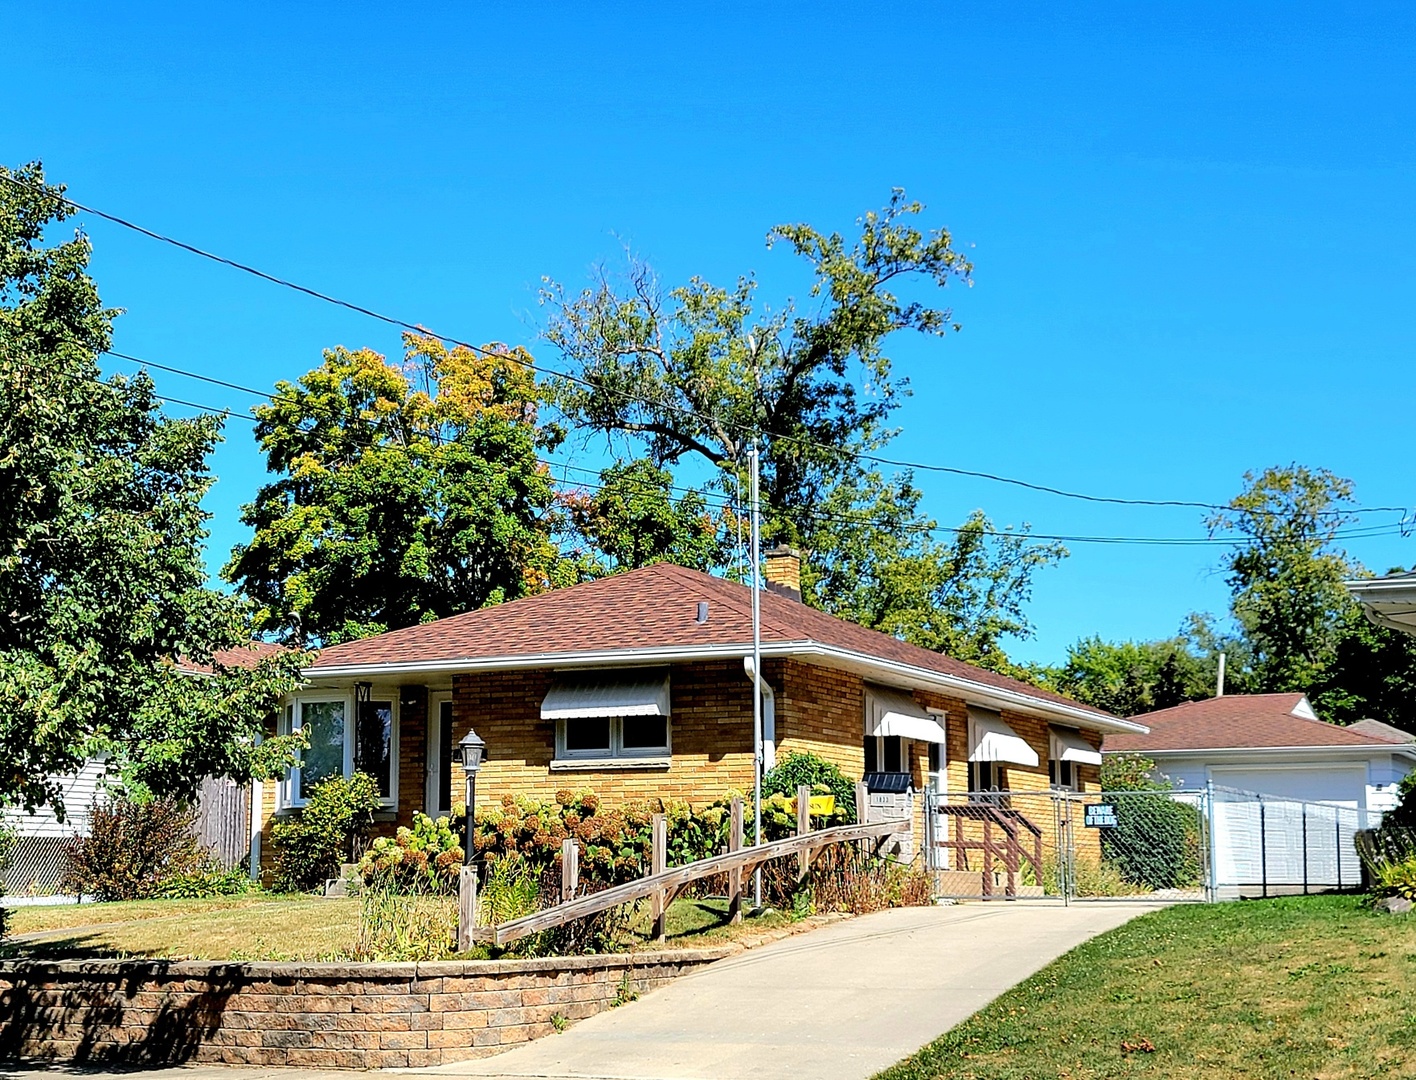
570,869
658,863
735,874
803,827
466,907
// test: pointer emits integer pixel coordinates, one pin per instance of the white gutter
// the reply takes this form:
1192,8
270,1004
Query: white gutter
1401,749
968,689
769,716
1376,594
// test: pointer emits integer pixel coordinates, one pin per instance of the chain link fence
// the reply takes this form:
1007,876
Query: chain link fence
1164,846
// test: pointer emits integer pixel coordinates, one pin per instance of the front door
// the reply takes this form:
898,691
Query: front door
438,800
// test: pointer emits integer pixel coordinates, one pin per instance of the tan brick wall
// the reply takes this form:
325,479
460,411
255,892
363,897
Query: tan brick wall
359,1016
711,734
819,710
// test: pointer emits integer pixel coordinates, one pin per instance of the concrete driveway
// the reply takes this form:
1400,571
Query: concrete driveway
840,1003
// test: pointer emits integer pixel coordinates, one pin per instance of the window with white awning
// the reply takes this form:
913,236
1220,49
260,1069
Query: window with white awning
1067,750
893,720
992,746
610,714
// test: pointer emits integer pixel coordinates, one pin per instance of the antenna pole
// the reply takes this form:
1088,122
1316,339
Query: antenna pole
1219,681
756,675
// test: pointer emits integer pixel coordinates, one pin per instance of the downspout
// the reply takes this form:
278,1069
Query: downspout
769,716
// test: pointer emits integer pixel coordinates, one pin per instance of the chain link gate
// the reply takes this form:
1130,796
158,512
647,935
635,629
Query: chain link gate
1063,845
1166,846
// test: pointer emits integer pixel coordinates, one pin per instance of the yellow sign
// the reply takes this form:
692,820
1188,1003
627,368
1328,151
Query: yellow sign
823,805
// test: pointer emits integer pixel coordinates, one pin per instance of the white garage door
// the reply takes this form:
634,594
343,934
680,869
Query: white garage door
1283,841
1340,785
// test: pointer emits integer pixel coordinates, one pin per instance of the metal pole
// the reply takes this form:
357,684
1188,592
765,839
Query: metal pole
1213,842
1304,807
1337,827
756,542
467,830
1263,849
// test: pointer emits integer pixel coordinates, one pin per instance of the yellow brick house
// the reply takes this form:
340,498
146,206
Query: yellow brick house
638,686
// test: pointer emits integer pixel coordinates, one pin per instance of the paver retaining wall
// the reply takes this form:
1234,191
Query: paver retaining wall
353,1016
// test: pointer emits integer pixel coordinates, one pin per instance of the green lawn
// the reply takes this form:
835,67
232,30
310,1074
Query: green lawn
1307,987
264,927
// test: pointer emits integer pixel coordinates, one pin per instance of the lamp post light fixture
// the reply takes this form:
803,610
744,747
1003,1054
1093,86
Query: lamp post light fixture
473,749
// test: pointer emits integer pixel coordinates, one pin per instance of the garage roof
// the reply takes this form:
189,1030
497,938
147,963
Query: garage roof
1240,721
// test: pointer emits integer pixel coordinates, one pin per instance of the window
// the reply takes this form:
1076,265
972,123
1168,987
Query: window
1062,775
336,745
608,737
373,749
616,714
985,776
886,753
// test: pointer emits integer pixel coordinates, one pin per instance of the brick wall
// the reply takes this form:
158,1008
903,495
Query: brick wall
818,710
360,1016
711,733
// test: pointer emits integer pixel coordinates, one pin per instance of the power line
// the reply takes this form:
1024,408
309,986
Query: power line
403,324
817,515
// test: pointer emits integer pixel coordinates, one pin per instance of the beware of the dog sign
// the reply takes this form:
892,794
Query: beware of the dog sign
1100,816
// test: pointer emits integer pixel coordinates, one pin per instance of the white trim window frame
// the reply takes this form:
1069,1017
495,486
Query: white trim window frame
294,717
1062,775
615,750
436,700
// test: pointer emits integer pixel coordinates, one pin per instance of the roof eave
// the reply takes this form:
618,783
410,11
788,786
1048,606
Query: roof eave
980,693
1407,750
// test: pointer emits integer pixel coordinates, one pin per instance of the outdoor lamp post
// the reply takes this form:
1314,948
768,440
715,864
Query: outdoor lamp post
473,749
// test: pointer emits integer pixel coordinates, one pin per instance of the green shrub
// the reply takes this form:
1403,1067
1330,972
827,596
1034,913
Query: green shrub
1155,843
133,850
333,828
820,775
207,882
424,859
615,842
1395,878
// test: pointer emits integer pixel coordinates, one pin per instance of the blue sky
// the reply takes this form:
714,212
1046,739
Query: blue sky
1192,228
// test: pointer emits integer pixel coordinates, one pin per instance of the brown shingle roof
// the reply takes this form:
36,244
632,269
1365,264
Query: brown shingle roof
1236,721
654,607
243,656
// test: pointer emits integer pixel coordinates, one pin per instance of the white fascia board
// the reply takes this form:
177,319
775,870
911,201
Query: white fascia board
1305,752
976,693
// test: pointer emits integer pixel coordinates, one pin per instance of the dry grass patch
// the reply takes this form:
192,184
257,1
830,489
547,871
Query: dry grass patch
232,928
1312,987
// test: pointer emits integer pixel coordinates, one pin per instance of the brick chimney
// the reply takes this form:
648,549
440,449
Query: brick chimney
781,569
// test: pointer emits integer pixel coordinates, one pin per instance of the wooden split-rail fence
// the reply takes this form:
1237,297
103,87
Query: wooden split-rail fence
662,884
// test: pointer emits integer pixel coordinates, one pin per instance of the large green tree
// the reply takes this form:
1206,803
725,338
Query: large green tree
403,493
694,375
102,579
1286,574
699,371
962,595
632,517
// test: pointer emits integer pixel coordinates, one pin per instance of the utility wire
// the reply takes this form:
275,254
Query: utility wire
817,515
591,385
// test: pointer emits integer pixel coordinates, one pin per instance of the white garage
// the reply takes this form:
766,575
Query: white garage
1286,791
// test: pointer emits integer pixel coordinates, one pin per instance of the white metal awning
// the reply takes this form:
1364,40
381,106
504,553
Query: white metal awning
990,739
1070,746
894,713
629,692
